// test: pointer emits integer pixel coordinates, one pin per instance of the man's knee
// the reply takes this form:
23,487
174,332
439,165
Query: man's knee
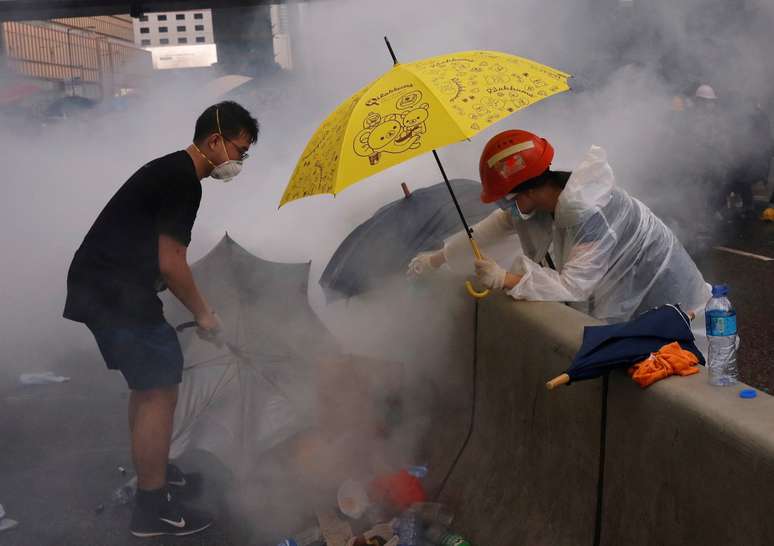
159,395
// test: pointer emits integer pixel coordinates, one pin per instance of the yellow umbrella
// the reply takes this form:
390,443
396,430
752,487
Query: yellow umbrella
416,108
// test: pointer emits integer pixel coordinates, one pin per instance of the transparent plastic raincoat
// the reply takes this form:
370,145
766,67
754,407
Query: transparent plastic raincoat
614,258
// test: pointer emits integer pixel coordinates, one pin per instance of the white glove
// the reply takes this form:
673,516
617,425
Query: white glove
490,274
421,265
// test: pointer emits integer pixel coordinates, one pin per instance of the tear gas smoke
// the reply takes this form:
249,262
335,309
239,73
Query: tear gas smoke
629,60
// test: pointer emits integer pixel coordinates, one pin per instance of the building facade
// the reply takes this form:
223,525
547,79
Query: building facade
177,39
93,57
280,27
245,40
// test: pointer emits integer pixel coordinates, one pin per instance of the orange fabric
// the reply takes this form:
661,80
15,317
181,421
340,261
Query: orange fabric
671,359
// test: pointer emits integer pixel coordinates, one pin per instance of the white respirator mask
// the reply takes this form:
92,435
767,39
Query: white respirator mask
227,170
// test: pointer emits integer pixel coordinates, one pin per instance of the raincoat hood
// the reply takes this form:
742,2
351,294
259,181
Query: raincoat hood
589,189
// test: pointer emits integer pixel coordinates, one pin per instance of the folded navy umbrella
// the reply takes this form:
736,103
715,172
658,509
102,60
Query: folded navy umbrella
624,344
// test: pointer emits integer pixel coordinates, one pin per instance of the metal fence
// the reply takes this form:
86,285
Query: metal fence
86,49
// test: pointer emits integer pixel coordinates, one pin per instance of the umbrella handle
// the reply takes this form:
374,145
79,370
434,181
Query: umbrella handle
469,285
472,291
185,326
558,381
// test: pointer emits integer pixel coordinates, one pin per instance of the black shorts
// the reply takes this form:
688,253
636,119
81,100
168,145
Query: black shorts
149,357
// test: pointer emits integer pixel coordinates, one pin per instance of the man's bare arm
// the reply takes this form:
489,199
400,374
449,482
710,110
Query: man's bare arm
173,264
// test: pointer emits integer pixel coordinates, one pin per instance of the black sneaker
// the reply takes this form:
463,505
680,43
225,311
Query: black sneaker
171,518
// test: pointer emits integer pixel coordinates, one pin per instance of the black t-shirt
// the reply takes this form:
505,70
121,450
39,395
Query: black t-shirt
114,276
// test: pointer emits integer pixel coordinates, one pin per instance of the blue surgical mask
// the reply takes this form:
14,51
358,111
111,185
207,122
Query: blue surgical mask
509,204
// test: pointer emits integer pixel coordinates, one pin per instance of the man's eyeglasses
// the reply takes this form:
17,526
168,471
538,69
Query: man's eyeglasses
242,151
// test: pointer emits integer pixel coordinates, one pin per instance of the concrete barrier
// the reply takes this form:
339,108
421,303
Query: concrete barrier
688,463
685,463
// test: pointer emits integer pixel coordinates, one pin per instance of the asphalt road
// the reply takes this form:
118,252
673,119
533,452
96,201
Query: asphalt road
737,256
60,448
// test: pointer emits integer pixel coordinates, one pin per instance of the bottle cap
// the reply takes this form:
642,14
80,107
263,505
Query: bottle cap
747,393
719,290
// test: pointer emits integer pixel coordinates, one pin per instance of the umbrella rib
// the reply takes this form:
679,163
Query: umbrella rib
209,362
207,404
342,144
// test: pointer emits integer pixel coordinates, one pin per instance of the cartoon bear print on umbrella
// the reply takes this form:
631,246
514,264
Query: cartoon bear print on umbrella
396,132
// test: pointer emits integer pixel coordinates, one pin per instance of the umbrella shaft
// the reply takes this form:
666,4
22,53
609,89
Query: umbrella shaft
392,53
468,231
454,197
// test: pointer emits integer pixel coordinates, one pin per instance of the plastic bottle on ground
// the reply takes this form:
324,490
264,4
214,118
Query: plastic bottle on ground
443,536
125,494
418,471
408,528
721,334
433,513
308,537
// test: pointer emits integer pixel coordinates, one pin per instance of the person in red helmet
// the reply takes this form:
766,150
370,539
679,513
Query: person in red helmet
609,255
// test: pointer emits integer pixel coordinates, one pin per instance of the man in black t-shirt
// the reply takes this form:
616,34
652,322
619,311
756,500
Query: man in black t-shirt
137,247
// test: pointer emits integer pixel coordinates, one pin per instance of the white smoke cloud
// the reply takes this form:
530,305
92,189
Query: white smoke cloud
628,61
58,177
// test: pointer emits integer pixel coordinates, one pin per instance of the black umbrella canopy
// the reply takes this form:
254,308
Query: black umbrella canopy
627,343
385,244
241,399
263,304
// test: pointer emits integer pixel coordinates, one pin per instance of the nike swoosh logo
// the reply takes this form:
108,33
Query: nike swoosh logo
179,483
179,524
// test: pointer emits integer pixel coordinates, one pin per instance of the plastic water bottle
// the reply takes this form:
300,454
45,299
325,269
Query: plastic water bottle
408,528
433,513
126,493
443,536
419,471
123,495
721,333
309,537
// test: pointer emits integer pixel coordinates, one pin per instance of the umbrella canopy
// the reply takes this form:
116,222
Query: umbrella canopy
218,87
238,401
627,343
386,242
68,107
416,108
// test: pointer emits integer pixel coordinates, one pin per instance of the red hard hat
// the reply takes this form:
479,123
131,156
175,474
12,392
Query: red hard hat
509,159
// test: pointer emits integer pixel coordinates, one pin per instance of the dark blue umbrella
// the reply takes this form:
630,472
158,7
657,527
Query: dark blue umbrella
385,244
627,343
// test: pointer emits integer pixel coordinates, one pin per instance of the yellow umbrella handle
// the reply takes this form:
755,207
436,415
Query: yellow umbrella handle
472,291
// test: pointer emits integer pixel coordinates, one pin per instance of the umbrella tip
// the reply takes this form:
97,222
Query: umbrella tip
406,190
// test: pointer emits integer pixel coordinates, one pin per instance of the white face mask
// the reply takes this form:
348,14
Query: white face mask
227,170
